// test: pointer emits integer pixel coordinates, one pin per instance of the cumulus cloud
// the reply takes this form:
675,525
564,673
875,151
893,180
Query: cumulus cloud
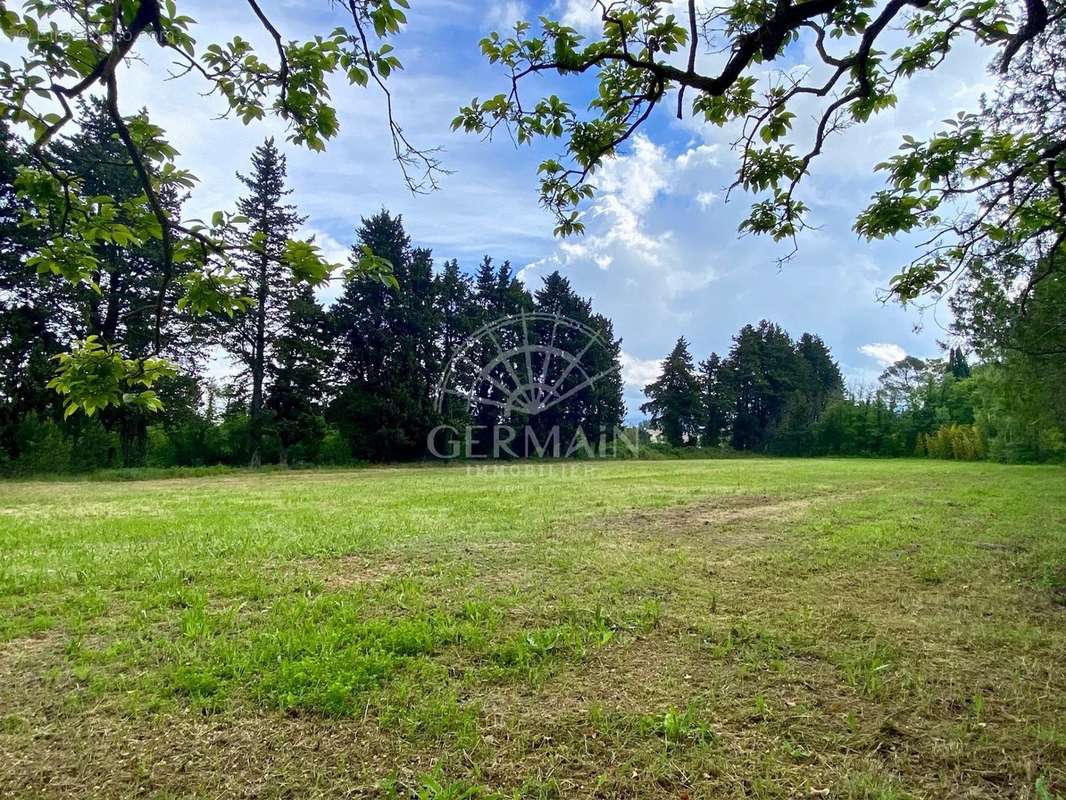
885,352
502,16
580,14
639,372
629,188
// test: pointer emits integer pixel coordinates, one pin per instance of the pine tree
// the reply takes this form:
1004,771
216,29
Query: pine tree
120,311
272,222
674,398
748,387
957,364
821,381
597,409
486,290
27,333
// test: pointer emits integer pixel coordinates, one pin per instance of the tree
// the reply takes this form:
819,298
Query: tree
27,341
457,318
497,294
822,378
715,402
252,337
72,47
748,387
1015,165
902,381
387,355
597,409
301,359
957,364
674,398
116,306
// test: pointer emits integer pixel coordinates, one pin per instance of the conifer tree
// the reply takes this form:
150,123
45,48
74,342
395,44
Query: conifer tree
388,359
674,398
957,364
302,356
714,401
456,318
597,409
271,222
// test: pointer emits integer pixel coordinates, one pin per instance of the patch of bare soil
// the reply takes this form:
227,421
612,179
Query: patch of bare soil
717,513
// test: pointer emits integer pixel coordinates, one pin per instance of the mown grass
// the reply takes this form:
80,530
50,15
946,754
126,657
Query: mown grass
762,628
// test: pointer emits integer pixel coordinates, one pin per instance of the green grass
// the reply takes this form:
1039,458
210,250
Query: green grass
744,628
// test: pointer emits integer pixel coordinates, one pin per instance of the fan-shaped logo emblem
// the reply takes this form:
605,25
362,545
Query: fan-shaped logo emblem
525,364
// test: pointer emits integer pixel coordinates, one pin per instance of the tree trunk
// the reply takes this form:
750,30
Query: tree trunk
259,366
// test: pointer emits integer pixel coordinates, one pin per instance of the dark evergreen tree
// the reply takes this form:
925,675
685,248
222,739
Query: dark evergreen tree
674,398
252,338
457,317
120,309
747,385
27,336
957,364
823,382
498,294
298,371
606,407
389,358
715,402
598,409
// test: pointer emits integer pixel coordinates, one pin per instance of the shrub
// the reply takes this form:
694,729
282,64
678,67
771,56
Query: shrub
94,447
954,442
334,449
42,447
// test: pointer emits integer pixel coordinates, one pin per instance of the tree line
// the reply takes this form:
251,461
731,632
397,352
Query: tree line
775,395
355,381
351,382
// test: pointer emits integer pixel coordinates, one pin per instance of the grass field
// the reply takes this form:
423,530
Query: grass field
706,629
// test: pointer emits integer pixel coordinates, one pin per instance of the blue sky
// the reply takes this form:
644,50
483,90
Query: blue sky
661,256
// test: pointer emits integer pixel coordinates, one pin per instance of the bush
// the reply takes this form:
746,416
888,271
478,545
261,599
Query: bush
954,442
42,447
334,449
94,447
161,451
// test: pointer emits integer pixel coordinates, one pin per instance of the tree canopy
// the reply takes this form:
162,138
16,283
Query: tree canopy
71,51
985,187
987,191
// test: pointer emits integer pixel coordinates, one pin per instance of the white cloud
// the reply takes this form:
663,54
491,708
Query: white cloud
884,352
639,372
502,16
706,199
704,154
580,14
621,234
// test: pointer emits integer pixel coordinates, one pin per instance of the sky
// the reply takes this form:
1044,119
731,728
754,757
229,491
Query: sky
661,256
